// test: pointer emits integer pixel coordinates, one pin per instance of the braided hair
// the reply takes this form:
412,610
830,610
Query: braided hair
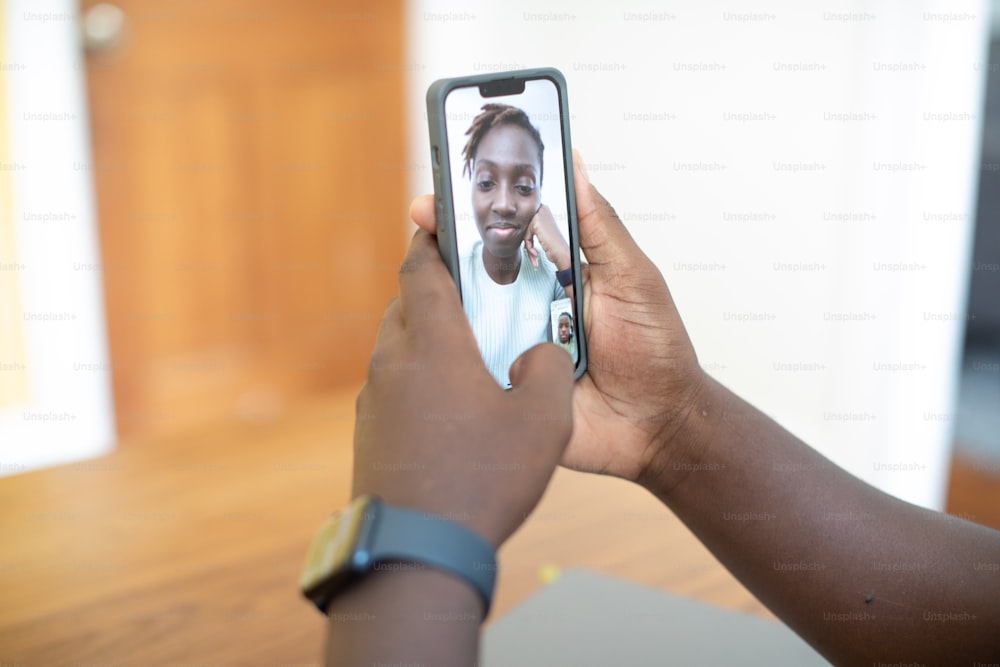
494,115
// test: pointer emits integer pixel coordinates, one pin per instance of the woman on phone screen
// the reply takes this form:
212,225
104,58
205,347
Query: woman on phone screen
508,286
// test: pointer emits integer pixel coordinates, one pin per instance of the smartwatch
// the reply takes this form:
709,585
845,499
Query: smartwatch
352,542
565,277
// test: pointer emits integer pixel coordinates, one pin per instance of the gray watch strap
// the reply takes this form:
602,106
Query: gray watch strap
565,277
421,537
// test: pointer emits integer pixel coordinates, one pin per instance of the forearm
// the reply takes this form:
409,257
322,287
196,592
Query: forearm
413,616
862,576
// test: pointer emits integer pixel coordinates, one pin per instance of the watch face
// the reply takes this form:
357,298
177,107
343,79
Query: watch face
335,544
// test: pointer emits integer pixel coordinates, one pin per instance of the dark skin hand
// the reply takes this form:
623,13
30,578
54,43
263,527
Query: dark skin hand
860,575
436,433
642,370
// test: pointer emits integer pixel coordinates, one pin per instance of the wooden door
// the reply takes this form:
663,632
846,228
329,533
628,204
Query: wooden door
250,168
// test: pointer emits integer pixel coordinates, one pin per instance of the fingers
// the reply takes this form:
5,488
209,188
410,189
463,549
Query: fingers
544,375
422,213
603,237
529,245
427,294
529,241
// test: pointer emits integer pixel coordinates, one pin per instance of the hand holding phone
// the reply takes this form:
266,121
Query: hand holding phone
543,229
506,210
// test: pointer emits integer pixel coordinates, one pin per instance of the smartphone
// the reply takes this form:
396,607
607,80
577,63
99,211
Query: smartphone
506,211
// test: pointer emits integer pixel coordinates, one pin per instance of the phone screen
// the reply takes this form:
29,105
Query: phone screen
512,231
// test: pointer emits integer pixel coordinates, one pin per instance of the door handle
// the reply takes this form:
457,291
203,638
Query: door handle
103,27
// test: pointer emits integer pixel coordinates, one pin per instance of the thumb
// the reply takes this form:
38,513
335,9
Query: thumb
422,212
543,375
603,237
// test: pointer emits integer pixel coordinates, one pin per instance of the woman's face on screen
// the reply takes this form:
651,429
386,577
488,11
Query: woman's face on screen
506,191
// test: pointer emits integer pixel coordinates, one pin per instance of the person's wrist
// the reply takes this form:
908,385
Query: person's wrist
563,260
435,593
680,447
485,526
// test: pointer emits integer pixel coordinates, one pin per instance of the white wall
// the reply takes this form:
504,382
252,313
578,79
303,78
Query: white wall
68,414
802,173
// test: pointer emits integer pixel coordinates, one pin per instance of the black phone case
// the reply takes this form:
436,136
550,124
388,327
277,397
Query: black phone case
441,168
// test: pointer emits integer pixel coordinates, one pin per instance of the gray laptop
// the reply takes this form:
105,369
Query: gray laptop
586,619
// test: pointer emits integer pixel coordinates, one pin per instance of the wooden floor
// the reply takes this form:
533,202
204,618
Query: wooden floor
187,551
974,491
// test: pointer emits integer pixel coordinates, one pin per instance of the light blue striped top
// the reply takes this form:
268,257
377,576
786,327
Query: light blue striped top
508,319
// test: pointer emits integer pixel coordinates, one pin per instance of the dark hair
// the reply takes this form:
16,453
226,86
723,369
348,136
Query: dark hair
494,115
570,322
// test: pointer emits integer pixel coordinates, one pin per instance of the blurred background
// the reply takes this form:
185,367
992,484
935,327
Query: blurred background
204,205
805,178
226,183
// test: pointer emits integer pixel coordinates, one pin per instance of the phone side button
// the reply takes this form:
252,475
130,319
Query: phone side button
439,216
